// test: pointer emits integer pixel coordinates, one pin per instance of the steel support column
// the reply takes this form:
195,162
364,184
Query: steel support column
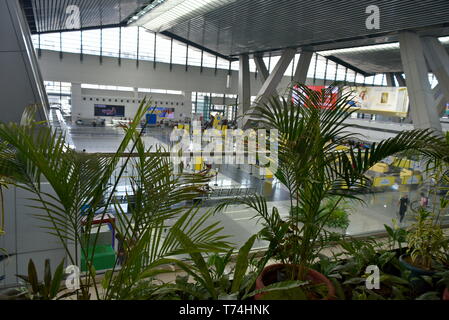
244,85
422,102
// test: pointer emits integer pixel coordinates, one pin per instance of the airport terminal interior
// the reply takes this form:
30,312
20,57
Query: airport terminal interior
223,149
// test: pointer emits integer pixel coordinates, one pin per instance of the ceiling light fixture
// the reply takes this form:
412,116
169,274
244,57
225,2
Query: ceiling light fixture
164,14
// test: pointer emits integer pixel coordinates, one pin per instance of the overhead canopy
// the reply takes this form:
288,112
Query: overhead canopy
52,15
229,28
249,26
381,58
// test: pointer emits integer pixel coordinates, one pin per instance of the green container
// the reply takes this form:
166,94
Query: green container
104,258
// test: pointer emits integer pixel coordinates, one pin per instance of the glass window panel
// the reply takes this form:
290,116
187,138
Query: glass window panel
51,41
71,41
194,57
111,42
359,78
51,87
341,73
163,45
378,79
107,42
321,67
331,69
208,60
222,64
234,65
91,41
370,80
89,86
129,43
179,52
174,92
252,65
146,45
124,88
433,80
350,78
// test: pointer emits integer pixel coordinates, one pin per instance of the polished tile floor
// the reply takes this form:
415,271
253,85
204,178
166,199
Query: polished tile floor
377,210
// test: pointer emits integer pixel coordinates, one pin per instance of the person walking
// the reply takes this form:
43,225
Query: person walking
403,205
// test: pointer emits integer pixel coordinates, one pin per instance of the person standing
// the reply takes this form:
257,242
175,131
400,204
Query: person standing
424,201
403,205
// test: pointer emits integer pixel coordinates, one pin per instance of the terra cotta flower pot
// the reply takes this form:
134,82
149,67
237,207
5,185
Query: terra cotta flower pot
446,294
268,276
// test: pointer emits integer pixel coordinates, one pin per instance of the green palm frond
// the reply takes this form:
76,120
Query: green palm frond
32,154
310,127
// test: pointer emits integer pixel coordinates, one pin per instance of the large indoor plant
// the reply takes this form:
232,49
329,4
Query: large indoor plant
32,152
310,127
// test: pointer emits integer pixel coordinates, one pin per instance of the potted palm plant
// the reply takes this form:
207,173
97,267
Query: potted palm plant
31,152
427,246
314,170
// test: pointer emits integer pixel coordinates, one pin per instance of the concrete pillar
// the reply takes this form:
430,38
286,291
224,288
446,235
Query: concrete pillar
77,101
440,100
302,69
186,109
261,68
438,61
390,79
244,85
422,102
270,85
21,82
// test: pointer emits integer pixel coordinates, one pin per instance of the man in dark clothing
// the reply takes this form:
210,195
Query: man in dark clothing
403,204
